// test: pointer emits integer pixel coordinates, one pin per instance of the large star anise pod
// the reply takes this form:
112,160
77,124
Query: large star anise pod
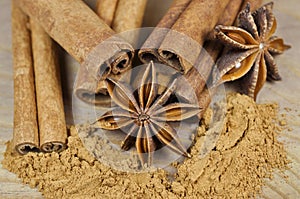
144,115
251,49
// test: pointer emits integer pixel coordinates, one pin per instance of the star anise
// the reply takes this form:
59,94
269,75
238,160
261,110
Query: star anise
144,115
251,49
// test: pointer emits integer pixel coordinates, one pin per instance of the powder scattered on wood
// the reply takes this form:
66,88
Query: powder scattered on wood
246,152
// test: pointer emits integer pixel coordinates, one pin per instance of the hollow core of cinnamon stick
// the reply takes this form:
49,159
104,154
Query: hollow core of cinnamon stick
128,15
180,51
149,50
25,131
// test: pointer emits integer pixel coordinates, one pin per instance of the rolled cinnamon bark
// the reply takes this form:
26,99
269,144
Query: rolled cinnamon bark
128,15
51,116
183,44
25,131
198,75
106,10
83,35
121,15
92,91
149,50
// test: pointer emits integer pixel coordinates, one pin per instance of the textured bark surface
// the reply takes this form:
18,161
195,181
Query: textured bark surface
81,33
106,10
25,136
149,50
198,75
128,15
51,115
190,32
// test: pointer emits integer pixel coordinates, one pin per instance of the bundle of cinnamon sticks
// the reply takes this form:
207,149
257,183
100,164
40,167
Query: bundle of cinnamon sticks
39,120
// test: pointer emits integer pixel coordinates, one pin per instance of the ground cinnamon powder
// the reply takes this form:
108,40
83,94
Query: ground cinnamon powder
246,152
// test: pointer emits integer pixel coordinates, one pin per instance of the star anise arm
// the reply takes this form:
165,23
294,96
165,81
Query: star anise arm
113,120
272,24
277,46
235,37
130,138
139,144
167,135
122,95
233,65
272,70
262,75
150,143
162,99
265,20
145,144
148,87
246,22
176,112
256,77
261,22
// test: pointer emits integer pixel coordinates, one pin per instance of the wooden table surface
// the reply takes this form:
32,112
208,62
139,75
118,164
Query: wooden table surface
285,92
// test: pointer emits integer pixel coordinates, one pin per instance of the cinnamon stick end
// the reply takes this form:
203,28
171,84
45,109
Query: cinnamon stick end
49,147
25,148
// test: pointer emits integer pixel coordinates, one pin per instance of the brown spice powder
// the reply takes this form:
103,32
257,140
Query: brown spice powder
246,153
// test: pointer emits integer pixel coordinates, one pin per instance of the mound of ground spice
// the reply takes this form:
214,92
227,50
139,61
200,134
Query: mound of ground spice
246,152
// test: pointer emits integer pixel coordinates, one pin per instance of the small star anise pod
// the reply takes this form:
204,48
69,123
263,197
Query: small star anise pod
251,50
144,115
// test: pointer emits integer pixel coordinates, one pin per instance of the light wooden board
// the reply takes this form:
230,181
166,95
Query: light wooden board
286,93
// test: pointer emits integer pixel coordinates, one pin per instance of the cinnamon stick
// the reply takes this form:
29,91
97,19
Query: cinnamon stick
106,10
197,77
83,35
51,116
25,131
121,15
193,25
149,49
91,90
181,46
128,15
